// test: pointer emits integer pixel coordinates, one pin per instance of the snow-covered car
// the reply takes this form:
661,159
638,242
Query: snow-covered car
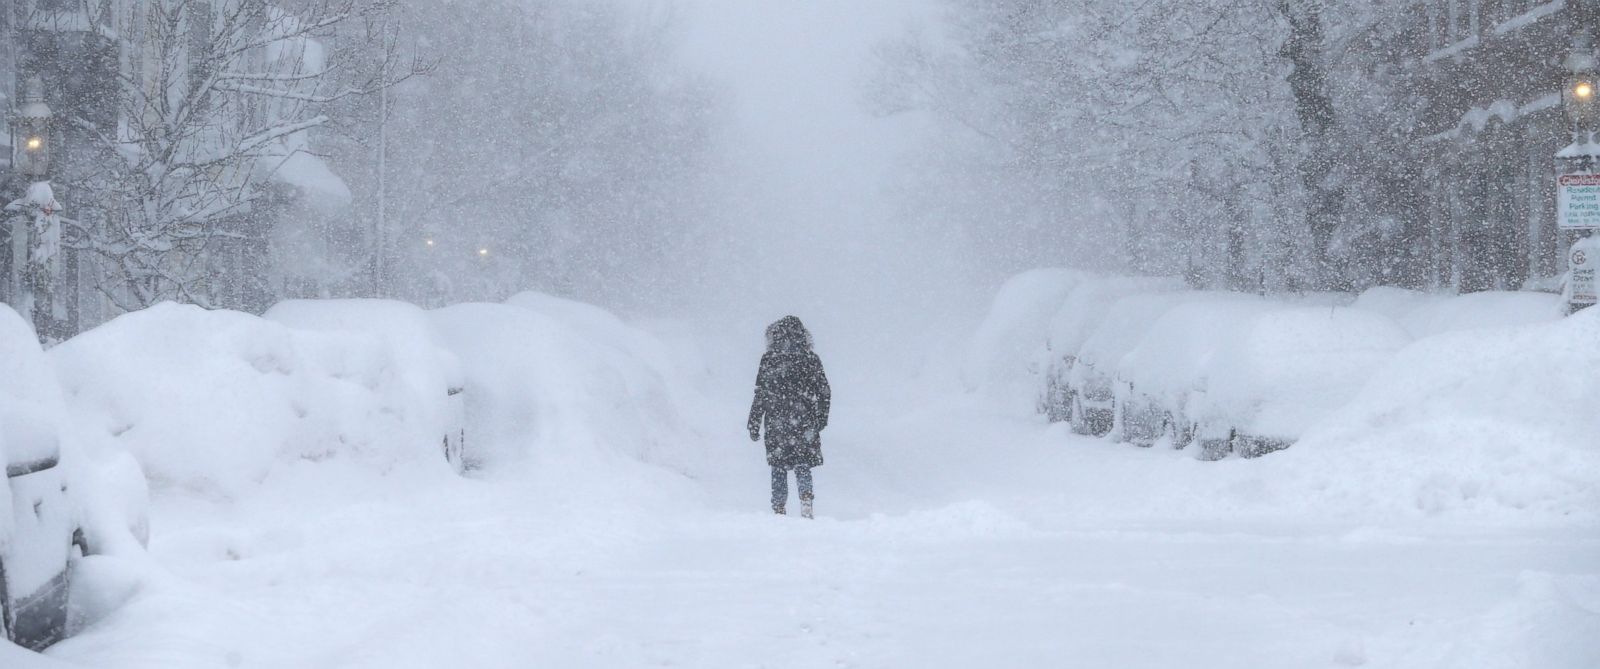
1073,323
1157,378
423,363
1285,370
1002,360
38,519
37,535
1093,379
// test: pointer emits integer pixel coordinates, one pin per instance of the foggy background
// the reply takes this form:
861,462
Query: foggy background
874,166
808,217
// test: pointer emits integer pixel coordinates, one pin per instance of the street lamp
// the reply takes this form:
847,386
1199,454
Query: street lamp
36,234
30,132
1578,193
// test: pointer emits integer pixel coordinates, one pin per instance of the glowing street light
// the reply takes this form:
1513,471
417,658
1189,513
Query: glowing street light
32,120
1579,94
483,253
428,242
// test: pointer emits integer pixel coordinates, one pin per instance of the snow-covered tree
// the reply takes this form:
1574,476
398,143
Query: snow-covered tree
1257,145
216,103
1115,135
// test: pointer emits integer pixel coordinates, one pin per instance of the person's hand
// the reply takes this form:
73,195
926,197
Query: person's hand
755,433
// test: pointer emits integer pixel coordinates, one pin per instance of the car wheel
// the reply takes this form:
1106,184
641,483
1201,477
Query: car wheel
1182,434
1098,422
1215,449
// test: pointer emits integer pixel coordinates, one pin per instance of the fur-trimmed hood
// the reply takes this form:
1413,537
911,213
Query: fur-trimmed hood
788,335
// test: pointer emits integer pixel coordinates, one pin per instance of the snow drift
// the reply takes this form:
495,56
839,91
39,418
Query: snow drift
1493,422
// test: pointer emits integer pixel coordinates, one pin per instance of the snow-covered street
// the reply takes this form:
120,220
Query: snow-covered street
472,334
948,537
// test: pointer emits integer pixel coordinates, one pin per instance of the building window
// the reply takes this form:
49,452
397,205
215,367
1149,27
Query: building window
1439,23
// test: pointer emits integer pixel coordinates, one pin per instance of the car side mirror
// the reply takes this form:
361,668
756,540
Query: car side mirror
31,444
26,467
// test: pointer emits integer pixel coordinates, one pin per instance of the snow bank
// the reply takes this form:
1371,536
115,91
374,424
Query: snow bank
1485,422
1425,314
213,402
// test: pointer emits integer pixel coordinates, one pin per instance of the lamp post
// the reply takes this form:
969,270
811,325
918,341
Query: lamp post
1578,98
36,233
1578,189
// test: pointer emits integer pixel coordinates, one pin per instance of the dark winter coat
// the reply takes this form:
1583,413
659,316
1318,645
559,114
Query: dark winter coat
792,398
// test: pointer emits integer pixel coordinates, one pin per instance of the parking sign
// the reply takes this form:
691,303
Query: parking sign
1578,201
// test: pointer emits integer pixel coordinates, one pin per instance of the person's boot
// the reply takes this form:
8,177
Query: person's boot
805,509
778,509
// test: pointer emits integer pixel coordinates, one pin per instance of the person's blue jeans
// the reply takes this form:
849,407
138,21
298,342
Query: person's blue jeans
780,485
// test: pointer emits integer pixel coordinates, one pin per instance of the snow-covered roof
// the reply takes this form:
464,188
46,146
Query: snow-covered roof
1476,119
311,174
1529,17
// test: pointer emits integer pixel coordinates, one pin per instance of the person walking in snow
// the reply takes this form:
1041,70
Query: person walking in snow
792,401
